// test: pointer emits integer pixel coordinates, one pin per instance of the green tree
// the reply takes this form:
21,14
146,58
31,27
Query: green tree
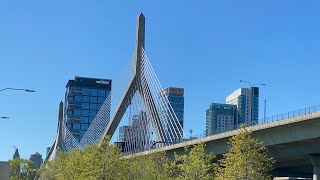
194,164
246,160
151,166
22,169
94,162
112,166
55,169
106,162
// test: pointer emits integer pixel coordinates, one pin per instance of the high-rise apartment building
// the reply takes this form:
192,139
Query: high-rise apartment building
176,100
83,99
135,136
37,160
139,132
220,118
247,102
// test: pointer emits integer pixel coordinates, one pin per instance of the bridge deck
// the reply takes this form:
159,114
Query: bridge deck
290,142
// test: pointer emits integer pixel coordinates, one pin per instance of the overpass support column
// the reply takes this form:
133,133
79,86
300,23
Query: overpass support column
315,160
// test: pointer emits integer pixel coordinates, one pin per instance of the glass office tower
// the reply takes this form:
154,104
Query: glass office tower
176,99
83,99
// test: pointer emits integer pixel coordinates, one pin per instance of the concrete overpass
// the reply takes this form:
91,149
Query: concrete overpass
294,143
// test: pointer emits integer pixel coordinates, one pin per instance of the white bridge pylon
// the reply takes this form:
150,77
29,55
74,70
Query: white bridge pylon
159,115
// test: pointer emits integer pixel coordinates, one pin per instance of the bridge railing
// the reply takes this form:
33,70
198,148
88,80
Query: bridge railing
290,114
277,117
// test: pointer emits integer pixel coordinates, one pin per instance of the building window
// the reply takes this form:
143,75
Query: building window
94,92
93,99
76,126
84,126
101,93
86,91
77,89
85,113
69,112
84,119
77,98
85,105
101,99
93,113
93,106
77,112
85,98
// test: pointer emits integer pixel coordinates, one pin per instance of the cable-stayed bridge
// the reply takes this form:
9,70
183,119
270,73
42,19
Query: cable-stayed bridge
138,101
136,98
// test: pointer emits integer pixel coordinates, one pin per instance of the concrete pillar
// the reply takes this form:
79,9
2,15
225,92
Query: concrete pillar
315,160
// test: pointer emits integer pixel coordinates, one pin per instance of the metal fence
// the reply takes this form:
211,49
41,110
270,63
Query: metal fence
291,114
277,117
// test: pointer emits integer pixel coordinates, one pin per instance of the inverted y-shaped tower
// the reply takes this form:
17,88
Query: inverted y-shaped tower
135,85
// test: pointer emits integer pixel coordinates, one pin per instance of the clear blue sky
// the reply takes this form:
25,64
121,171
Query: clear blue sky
204,46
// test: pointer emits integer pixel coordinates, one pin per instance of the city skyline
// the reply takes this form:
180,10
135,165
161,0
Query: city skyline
100,46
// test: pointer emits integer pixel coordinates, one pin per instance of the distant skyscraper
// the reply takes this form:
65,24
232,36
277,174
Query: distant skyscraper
176,99
16,153
135,136
83,99
123,136
139,132
37,160
123,133
220,118
247,102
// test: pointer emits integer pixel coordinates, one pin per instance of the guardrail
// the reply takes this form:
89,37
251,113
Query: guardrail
277,117
291,114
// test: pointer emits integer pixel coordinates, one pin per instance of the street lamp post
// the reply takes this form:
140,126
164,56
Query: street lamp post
17,89
265,111
252,93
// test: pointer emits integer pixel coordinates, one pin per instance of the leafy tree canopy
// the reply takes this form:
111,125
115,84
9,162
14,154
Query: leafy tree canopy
247,159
